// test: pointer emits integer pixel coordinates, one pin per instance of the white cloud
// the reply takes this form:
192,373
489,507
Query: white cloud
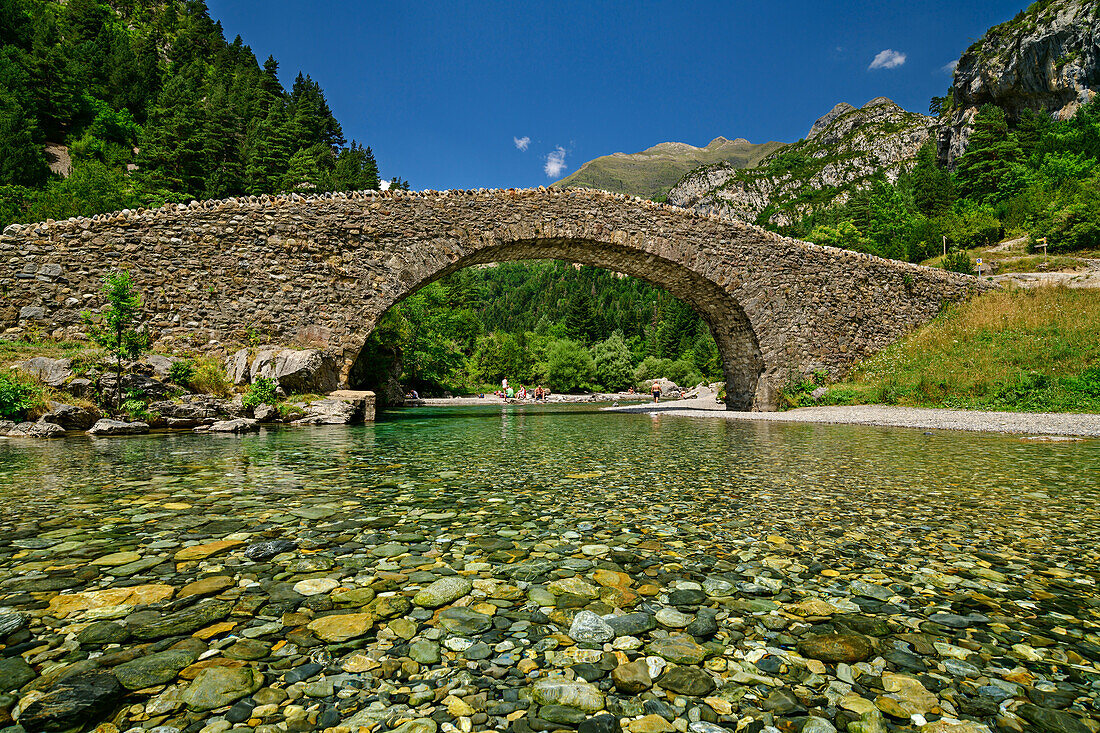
383,185
521,142
555,162
887,59
950,68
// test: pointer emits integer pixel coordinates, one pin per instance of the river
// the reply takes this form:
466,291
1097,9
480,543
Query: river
587,564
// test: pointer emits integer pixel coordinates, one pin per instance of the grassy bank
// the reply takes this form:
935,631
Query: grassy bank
1030,350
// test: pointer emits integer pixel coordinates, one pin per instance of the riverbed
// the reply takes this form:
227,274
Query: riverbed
551,568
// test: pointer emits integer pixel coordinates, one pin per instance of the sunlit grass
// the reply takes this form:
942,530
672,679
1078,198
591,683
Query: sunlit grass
1022,349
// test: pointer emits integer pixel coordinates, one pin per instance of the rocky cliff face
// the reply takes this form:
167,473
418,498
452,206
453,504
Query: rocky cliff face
842,151
652,172
1046,59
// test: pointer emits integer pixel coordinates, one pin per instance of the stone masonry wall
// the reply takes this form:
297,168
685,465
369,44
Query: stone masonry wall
321,271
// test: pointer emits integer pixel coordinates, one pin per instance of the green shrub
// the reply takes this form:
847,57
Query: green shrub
138,409
16,397
260,392
569,366
612,357
181,372
959,261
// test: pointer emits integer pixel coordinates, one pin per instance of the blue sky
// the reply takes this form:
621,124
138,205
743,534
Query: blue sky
441,91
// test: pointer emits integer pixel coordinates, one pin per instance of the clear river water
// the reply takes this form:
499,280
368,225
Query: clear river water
779,574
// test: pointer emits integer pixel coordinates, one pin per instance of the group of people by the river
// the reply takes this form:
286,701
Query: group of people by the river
538,394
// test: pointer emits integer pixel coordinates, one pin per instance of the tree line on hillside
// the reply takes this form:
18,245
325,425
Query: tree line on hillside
544,322
1036,176
154,106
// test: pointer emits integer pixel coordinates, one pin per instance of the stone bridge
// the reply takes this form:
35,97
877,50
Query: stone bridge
321,271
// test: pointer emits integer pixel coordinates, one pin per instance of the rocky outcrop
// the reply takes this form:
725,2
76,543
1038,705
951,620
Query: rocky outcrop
237,425
40,429
296,371
841,152
237,368
1045,59
133,384
118,427
342,407
71,417
50,372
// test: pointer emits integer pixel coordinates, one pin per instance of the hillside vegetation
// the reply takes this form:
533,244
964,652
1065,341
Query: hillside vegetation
1034,350
152,105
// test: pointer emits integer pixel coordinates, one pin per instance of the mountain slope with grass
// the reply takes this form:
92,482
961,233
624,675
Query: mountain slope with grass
652,172
842,151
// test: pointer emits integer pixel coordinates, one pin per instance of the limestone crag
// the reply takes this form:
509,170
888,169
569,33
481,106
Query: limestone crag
1046,59
323,270
841,152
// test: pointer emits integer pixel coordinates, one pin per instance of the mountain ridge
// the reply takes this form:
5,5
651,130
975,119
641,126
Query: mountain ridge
654,171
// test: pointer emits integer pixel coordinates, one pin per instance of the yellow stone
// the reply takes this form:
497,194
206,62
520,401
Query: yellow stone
829,573
648,590
209,549
358,663
815,666
176,505
486,608
138,595
214,630
457,707
891,707
117,558
856,704
911,695
810,607
612,579
618,597
651,723
527,665
718,705
342,627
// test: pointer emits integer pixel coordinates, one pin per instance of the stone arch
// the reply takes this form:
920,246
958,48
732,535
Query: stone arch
738,346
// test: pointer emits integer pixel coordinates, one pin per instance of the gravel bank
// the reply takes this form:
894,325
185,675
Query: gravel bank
1030,423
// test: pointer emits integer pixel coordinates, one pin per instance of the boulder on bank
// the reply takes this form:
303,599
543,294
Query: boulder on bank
297,371
236,367
199,408
265,413
131,383
237,425
342,407
160,364
71,417
51,372
40,429
118,427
